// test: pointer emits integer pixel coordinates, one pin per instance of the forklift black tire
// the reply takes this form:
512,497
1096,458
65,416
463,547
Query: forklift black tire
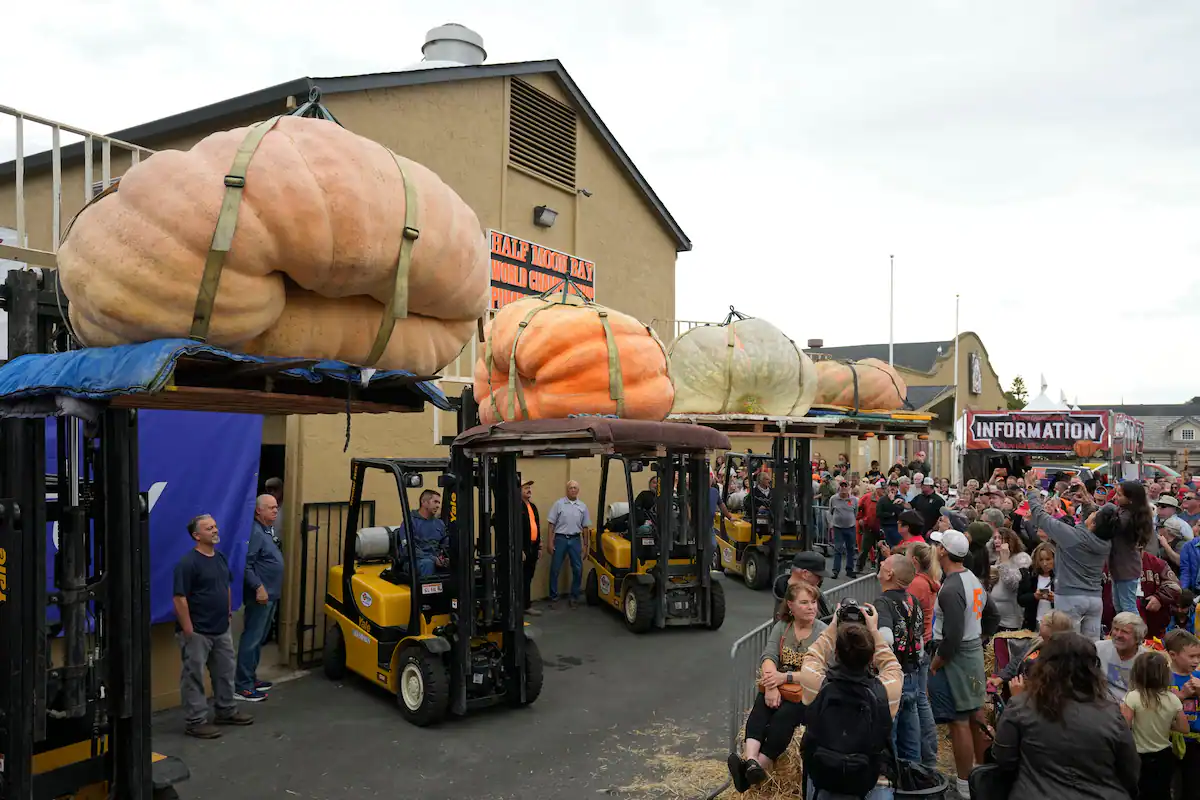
334,659
424,686
756,572
638,607
165,793
534,672
716,605
591,589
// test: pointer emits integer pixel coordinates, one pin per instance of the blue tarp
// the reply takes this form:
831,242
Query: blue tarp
100,373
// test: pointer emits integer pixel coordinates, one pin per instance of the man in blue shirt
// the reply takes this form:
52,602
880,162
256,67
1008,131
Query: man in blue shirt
428,533
203,607
262,586
567,520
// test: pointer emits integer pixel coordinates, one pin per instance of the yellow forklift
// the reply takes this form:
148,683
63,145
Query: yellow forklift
769,530
651,555
440,626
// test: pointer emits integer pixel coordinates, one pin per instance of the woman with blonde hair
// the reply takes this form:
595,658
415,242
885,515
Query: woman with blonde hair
924,589
778,708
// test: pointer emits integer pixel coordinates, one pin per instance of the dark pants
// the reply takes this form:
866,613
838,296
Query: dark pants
773,726
843,542
1189,772
1155,778
531,559
257,619
870,538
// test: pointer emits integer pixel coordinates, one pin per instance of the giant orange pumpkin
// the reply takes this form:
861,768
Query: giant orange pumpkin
550,358
313,264
879,386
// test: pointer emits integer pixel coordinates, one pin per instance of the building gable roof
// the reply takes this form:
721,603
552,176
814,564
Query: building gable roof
917,356
1188,418
213,114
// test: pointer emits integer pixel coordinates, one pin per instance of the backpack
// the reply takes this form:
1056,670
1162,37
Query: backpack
908,648
848,739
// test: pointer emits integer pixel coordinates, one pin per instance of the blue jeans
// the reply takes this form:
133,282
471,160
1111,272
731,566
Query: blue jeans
891,534
906,728
928,728
257,618
1124,596
565,546
843,542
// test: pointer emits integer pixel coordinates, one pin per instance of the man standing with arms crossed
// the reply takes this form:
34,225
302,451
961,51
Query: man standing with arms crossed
566,522
844,509
261,589
203,608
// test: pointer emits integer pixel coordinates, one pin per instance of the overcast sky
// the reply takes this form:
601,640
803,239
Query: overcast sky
1040,159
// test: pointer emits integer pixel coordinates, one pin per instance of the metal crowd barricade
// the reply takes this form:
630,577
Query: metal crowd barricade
822,528
745,652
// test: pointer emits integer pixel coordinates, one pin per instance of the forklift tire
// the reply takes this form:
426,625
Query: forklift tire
757,574
638,608
716,605
591,590
424,693
165,793
534,672
334,660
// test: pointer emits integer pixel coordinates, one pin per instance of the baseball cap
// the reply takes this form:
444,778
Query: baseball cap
955,543
813,562
912,519
1167,500
527,483
927,482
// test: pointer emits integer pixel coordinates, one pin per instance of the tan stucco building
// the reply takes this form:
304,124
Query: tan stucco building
928,370
508,138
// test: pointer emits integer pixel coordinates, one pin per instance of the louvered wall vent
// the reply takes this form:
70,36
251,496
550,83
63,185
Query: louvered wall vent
541,134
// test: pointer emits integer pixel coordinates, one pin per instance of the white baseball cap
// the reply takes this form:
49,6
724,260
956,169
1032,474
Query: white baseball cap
956,543
927,482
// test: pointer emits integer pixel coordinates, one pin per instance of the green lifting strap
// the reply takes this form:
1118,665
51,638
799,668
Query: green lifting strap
516,394
397,306
616,381
227,219
728,367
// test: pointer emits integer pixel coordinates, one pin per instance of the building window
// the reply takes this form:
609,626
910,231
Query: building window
542,134
1188,434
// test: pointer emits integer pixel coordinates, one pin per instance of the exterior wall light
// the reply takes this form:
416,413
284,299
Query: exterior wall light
544,216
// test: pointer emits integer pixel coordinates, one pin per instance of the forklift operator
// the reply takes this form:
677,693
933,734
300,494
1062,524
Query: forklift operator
429,534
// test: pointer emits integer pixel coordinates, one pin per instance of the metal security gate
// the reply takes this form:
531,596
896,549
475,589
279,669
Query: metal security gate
322,534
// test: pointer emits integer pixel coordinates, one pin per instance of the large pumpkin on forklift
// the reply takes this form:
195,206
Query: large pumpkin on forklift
551,357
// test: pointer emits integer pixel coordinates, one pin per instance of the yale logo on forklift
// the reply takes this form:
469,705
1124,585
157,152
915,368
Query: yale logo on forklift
431,588
3,575
454,506
364,623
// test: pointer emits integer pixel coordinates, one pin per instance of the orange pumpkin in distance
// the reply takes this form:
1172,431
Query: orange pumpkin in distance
551,358
1085,448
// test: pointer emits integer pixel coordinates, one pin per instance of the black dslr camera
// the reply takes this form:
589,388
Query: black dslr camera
851,611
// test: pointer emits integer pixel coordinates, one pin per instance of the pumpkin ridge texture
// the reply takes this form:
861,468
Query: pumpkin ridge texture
322,206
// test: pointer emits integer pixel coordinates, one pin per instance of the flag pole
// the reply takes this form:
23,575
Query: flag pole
954,424
891,341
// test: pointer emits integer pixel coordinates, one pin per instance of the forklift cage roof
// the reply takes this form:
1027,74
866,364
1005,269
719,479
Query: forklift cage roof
582,437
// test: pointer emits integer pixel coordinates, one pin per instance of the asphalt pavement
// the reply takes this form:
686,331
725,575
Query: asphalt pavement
617,710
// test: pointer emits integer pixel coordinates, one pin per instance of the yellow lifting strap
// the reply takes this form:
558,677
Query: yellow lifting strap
397,306
227,219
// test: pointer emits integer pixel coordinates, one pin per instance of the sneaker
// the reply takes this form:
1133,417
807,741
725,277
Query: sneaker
532,612
573,603
264,686
204,730
236,718
250,696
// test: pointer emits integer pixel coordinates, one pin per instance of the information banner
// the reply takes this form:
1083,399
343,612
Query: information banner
521,268
1036,431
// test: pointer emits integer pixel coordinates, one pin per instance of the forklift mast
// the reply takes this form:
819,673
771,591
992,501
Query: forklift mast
98,695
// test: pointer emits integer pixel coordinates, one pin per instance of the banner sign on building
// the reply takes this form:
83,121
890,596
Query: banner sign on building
190,463
521,268
1036,431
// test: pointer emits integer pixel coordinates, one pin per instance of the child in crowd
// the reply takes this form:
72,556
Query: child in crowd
1153,711
1183,612
1183,649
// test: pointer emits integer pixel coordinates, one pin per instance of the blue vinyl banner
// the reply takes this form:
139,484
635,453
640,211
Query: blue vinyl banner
190,463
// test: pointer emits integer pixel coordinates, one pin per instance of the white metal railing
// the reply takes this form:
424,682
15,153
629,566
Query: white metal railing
19,250
671,329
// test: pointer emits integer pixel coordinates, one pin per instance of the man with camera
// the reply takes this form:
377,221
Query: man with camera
847,743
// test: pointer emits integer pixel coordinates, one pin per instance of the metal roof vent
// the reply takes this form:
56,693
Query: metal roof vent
453,44
815,343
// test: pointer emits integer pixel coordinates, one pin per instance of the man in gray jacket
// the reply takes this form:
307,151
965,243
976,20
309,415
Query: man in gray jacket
1078,564
261,588
844,509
